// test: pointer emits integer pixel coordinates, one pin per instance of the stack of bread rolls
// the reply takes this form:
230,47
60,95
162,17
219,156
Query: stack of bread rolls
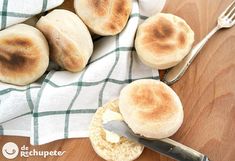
61,36
162,41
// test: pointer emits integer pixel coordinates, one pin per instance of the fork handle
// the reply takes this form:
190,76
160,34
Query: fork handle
175,73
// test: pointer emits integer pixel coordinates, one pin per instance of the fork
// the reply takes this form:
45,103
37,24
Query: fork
225,20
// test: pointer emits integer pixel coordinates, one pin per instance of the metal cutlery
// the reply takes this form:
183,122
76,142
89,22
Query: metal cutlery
166,146
225,20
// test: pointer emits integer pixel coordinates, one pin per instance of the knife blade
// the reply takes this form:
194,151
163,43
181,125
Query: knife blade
166,146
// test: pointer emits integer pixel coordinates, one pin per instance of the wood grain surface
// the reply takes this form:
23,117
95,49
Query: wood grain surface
207,91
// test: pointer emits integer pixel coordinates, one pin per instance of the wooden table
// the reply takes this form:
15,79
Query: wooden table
207,91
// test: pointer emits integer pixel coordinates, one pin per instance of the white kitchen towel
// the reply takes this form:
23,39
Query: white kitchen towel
63,105
16,11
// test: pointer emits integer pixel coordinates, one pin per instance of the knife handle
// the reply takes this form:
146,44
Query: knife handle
173,149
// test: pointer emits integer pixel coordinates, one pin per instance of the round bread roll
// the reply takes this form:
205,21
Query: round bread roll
151,108
69,39
24,54
125,150
163,40
104,17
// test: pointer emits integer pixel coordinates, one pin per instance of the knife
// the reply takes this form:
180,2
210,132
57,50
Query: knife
166,147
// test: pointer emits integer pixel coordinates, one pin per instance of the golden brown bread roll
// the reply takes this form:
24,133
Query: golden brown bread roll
24,54
104,17
163,40
151,108
124,150
70,41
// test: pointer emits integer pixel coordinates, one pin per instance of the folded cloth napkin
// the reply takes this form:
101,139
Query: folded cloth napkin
62,104
15,11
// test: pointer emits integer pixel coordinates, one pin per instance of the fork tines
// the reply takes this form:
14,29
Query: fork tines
230,11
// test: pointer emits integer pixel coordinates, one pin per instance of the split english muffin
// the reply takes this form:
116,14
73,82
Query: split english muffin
108,145
69,39
151,108
24,54
104,17
163,40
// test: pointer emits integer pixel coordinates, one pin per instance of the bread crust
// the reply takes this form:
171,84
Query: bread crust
163,40
24,54
151,108
104,17
70,41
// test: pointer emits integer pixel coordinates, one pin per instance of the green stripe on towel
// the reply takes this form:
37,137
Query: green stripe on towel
4,13
66,126
5,91
28,113
110,72
1,130
113,51
15,14
130,68
29,98
87,84
138,15
78,111
44,5
36,109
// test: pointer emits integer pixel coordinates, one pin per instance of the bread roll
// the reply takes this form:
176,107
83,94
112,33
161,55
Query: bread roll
151,108
69,39
125,150
163,40
24,54
104,17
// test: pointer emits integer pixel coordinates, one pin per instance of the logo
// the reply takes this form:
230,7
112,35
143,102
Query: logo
10,150
26,152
